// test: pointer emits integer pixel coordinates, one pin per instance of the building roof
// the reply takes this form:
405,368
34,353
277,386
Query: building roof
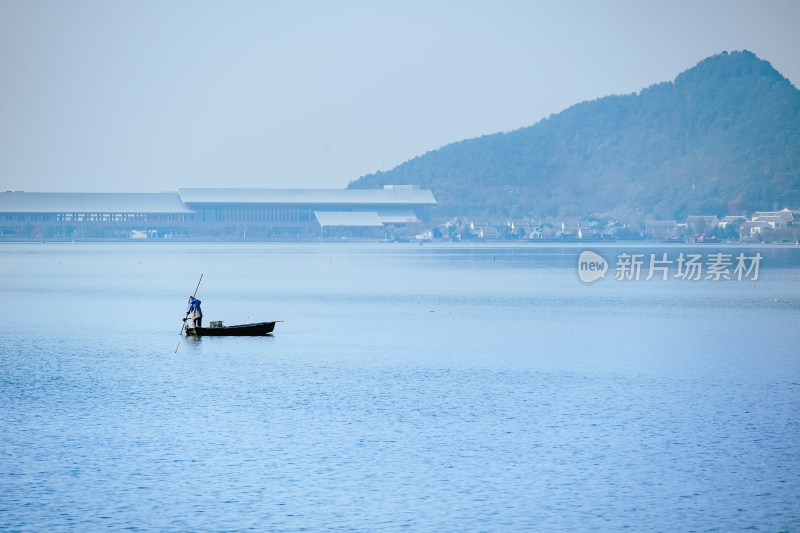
784,214
90,202
397,217
308,196
755,224
348,218
772,220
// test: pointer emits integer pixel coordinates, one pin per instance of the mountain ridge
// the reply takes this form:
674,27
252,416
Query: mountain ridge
722,138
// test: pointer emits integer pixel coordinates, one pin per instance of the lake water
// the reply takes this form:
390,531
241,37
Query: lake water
421,388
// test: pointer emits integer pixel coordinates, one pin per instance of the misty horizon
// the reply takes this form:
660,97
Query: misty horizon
147,98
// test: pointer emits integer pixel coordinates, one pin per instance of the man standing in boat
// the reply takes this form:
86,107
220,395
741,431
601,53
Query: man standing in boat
196,313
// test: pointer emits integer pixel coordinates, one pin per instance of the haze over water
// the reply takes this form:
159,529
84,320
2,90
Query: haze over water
433,388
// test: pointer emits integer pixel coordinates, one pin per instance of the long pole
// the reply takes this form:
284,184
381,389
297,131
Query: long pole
195,294
198,286
184,324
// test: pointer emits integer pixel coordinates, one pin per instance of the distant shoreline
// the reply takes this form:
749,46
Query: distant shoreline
428,244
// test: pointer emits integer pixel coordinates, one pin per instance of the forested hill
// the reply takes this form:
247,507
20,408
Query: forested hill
723,138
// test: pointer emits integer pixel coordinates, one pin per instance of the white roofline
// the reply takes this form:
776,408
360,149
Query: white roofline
309,196
348,218
88,202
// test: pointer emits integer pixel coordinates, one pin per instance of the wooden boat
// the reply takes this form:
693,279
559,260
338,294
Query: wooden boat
243,330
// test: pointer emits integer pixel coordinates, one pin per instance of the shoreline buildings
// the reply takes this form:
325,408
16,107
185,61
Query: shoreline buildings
213,213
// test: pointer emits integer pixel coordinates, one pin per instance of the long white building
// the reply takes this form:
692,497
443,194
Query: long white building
216,213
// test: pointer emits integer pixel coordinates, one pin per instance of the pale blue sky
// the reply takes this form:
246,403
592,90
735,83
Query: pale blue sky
148,96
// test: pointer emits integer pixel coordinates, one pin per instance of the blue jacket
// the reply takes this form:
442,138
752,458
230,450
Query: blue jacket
194,306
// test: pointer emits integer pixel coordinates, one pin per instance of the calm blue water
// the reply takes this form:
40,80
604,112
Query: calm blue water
425,388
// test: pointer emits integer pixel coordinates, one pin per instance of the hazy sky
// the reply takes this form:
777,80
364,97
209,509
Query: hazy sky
149,96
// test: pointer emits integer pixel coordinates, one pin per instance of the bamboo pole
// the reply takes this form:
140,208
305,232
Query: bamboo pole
184,323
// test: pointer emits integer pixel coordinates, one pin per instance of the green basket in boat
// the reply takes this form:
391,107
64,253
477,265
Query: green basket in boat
216,323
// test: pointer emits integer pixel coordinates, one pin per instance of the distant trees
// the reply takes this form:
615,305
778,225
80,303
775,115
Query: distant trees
723,138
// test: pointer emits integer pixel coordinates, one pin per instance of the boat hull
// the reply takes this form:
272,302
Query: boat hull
258,329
